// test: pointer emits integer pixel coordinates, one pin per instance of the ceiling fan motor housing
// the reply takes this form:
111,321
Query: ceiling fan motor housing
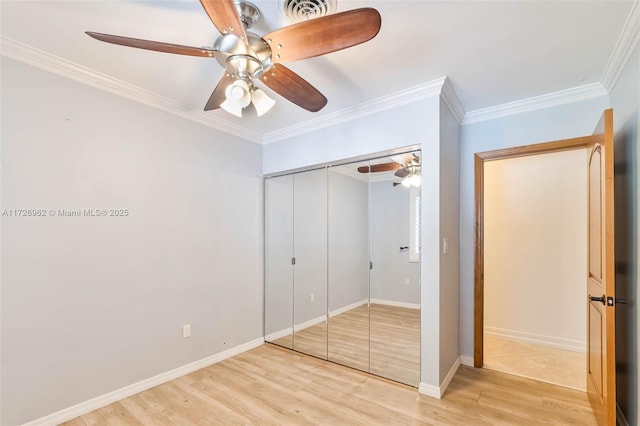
240,59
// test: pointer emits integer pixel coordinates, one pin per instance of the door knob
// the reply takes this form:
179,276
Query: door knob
597,299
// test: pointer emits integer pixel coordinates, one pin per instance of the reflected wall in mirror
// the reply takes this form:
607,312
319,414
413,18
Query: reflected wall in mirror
395,276
278,318
310,269
296,262
349,266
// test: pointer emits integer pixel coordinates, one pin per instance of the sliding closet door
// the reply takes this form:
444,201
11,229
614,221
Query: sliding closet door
310,269
278,320
349,266
395,275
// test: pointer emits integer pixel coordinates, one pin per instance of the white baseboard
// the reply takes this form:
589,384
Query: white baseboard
466,360
429,390
298,327
309,323
347,308
621,420
438,391
449,377
394,303
538,339
111,397
278,334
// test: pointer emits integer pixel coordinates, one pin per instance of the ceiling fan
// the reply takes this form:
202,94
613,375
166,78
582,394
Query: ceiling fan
407,169
247,57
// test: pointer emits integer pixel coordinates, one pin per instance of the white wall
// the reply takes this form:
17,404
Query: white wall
449,194
403,126
535,250
92,304
625,103
560,122
390,231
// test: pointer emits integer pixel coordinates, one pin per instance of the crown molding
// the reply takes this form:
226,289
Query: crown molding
549,100
40,59
412,94
451,99
626,44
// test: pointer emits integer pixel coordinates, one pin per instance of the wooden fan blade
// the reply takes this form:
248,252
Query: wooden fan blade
290,85
385,167
225,17
153,45
218,96
323,35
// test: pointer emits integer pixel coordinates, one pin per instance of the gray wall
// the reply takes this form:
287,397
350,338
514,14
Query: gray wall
93,304
348,240
624,101
564,121
449,229
389,231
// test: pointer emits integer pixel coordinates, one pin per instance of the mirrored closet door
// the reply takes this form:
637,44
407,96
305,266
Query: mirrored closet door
342,271
349,266
394,309
296,262
310,262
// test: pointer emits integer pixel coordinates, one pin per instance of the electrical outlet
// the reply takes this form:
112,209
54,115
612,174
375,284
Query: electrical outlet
407,280
312,298
186,331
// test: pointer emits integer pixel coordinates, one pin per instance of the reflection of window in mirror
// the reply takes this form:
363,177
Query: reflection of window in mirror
414,225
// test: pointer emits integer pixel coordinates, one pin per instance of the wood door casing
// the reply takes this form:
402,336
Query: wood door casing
480,159
601,276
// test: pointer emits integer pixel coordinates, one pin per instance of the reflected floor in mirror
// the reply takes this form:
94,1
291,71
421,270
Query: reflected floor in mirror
312,340
349,338
394,337
395,343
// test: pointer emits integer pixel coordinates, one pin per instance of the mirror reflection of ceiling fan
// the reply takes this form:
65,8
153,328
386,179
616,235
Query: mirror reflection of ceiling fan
247,57
406,167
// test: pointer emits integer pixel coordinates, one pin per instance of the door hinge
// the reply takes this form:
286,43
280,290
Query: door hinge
293,260
370,265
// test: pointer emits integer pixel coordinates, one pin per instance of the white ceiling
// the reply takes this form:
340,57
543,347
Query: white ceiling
493,52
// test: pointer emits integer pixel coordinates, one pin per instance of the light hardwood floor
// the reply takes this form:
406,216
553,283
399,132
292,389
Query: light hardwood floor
382,339
272,385
551,365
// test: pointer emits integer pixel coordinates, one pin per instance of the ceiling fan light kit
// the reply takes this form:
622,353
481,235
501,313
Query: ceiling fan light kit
261,102
247,57
238,96
412,181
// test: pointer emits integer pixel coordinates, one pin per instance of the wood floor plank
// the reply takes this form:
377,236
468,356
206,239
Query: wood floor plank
272,385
